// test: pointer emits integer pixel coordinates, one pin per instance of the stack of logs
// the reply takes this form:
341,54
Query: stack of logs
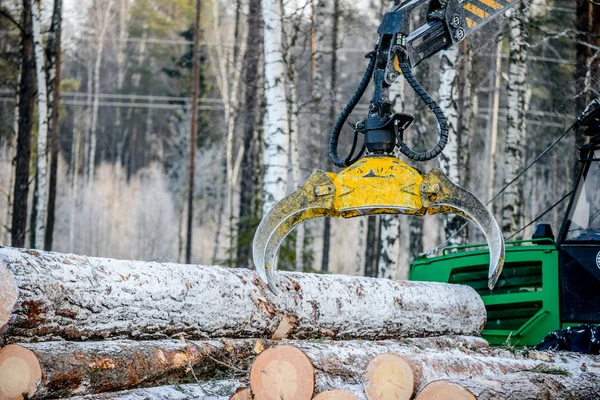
93,328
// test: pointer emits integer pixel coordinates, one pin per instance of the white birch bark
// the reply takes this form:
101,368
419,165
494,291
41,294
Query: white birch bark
52,296
213,390
389,239
42,139
449,159
276,127
495,76
295,158
345,362
517,114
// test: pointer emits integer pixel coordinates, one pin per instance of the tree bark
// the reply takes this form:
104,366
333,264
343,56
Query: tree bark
193,133
332,115
516,117
412,364
62,369
51,296
105,9
449,159
588,60
249,113
371,247
213,390
516,386
42,134
53,67
276,133
23,154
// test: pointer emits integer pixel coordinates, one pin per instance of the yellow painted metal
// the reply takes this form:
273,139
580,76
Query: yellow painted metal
373,185
378,185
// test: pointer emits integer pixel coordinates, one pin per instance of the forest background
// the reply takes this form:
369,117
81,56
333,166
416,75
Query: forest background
97,124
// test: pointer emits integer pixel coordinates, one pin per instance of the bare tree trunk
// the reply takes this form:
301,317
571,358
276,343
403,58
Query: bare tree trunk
495,80
67,295
332,115
389,239
53,58
276,134
588,59
193,132
449,159
295,152
372,246
251,60
517,115
102,28
23,155
78,131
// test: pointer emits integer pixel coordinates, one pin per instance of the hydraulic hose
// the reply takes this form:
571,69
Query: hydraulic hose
439,114
337,129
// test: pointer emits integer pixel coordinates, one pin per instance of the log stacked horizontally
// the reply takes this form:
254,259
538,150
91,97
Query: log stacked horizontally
94,328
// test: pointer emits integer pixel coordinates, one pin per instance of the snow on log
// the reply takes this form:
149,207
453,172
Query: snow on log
57,369
549,385
342,365
52,296
217,390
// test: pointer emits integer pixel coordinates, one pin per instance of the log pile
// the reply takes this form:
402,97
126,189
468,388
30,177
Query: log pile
93,328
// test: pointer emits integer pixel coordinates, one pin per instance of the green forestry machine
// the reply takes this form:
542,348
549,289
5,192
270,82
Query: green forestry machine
547,284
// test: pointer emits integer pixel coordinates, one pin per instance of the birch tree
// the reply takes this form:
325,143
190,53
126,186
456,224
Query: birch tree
102,15
193,133
332,115
518,105
23,154
389,236
250,77
42,103
449,159
276,125
228,75
53,66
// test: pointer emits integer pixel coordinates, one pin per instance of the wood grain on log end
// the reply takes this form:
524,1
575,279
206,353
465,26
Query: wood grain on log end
282,373
444,390
335,395
8,294
20,372
242,394
389,377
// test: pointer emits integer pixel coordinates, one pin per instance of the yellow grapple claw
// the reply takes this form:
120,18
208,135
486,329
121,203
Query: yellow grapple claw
374,185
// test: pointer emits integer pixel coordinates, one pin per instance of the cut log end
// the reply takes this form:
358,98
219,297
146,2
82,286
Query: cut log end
20,372
8,295
443,390
282,373
242,394
389,377
335,395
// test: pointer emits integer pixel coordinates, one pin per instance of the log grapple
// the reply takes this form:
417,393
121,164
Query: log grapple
379,183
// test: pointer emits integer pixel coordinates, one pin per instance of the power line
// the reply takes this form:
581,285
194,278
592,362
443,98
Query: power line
542,154
566,196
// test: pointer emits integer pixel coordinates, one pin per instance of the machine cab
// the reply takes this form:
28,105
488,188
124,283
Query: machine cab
579,240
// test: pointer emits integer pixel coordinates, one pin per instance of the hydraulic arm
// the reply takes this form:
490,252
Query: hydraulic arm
379,183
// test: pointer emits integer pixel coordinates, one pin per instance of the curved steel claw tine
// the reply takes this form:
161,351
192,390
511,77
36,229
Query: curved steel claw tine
314,199
438,191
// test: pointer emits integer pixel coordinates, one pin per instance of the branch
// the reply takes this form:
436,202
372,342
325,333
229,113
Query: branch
11,19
